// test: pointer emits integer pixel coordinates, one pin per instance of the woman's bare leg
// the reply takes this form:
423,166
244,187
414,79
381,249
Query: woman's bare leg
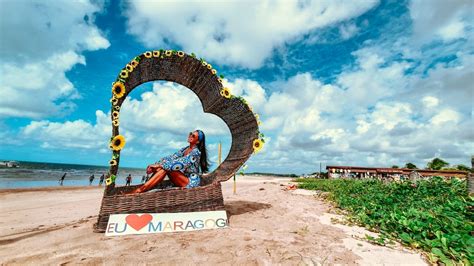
156,178
178,178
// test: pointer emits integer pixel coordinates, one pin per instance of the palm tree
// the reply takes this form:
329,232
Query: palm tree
437,164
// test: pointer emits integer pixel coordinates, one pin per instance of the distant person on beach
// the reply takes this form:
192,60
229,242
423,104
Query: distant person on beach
128,180
183,167
147,177
143,179
101,179
91,179
61,180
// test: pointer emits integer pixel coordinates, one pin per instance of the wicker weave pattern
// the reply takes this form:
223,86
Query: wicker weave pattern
192,74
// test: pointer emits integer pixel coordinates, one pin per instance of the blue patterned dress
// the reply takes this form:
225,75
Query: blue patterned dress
186,164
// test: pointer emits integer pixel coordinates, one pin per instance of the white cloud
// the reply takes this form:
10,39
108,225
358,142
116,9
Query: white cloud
373,114
52,28
430,101
36,53
171,108
71,134
440,19
445,116
234,32
154,120
347,31
36,95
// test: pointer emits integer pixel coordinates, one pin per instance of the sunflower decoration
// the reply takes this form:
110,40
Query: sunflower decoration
113,162
168,52
110,180
225,92
129,68
117,143
257,145
220,80
204,63
148,54
117,108
180,53
209,66
115,122
115,115
118,89
134,63
114,101
124,74
156,53
214,72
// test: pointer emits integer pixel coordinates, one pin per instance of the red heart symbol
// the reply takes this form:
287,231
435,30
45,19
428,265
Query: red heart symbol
138,222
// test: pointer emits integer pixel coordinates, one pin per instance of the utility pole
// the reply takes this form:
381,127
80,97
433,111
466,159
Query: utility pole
319,169
470,178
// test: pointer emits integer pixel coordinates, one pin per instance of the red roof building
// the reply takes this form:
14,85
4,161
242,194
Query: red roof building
359,172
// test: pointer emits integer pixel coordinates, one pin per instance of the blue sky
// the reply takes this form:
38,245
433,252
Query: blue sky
372,83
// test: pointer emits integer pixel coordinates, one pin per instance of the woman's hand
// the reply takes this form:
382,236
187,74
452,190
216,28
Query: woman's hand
152,168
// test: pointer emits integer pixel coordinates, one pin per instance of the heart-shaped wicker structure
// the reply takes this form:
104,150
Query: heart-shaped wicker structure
201,78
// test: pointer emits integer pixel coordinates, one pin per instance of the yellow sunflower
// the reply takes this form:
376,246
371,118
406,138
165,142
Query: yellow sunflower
124,74
117,108
112,162
117,143
134,63
168,53
118,89
257,145
259,122
214,72
219,79
129,67
209,66
156,53
115,115
180,53
114,101
225,92
204,63
115,122
148,54
108,181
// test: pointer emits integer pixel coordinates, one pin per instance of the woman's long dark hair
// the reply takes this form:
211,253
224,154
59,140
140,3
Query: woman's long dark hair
202,148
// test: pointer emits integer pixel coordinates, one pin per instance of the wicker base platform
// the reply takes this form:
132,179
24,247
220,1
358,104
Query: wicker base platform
205,198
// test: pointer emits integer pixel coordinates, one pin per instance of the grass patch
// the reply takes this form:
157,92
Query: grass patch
434,215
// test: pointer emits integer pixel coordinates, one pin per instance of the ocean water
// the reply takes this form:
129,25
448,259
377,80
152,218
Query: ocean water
34,174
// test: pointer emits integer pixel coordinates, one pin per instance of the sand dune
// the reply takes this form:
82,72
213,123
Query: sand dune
267,226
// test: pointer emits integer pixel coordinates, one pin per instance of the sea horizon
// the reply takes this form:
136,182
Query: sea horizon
44,174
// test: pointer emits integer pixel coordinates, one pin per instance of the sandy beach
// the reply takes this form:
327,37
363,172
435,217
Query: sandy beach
268,225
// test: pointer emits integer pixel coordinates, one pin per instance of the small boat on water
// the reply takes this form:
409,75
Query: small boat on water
9,164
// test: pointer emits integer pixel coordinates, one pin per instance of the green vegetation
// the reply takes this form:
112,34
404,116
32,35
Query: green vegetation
433,215
437,164
410,166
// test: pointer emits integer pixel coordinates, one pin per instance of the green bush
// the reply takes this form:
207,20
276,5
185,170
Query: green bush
434,215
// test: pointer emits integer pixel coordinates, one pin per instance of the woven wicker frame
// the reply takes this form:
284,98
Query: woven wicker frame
198,77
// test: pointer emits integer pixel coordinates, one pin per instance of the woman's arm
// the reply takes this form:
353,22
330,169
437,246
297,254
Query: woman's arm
182,163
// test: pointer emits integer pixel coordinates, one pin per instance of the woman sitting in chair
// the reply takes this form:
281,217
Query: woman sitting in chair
182,167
